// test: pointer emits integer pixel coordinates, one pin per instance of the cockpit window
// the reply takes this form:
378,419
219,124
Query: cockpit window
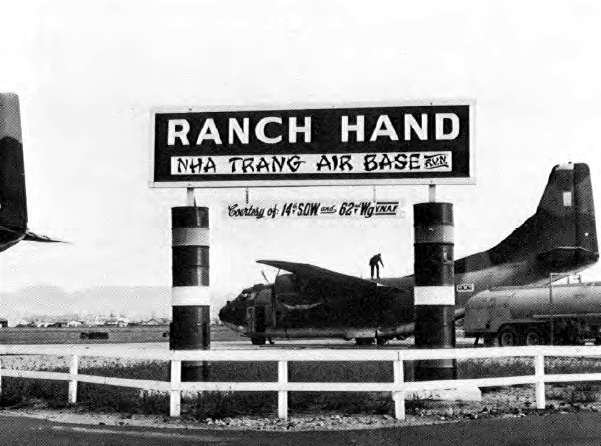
242,297
247,296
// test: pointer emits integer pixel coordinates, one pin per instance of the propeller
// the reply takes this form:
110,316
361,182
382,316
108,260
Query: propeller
264,276
267,281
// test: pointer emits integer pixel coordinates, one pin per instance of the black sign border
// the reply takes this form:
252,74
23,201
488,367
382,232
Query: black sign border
434,178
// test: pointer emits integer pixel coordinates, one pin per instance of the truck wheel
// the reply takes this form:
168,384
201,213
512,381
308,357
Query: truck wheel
508,337
257,340
534,337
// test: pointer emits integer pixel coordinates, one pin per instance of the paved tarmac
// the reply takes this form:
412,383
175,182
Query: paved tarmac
245,344
582,429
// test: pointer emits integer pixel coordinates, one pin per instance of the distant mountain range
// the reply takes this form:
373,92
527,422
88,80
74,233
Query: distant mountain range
135,302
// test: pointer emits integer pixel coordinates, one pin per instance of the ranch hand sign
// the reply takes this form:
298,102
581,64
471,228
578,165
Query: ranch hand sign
345,209
408,144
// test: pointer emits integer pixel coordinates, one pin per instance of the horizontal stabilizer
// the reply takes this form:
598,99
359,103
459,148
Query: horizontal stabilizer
31,237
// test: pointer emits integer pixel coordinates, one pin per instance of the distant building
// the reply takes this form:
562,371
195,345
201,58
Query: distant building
74,324
117,322
59,324
95,322
3,323
152,322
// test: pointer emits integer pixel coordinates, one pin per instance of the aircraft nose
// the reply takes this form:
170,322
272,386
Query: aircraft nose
226,313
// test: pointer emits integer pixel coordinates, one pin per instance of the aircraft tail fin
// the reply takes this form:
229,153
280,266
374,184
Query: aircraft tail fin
13,202
562,233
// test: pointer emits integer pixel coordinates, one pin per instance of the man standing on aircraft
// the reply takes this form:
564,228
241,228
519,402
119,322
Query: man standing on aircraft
374,263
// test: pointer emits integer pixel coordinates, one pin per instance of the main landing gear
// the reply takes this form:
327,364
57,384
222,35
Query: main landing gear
260,340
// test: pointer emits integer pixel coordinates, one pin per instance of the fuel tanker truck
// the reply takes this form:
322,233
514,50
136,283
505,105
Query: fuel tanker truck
561,314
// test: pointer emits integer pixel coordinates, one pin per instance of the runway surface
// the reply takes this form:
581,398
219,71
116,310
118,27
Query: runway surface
583,429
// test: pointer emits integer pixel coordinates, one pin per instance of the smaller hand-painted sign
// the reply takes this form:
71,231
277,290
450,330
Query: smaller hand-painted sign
316,209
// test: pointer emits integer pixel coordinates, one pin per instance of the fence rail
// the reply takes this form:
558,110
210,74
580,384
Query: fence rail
398,388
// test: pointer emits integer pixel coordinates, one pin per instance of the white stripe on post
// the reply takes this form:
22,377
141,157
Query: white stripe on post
190,296
190,237
434,295
435,234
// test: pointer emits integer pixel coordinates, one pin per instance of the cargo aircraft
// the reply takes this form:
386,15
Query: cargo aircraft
13,202
313,302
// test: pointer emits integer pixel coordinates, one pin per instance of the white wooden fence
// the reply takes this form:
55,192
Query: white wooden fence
398,387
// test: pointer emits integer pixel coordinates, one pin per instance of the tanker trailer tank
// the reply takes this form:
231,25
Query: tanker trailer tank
566,314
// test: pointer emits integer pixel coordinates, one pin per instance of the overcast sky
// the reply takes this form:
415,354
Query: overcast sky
88,74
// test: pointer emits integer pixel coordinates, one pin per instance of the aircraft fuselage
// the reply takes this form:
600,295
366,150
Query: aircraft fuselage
321,312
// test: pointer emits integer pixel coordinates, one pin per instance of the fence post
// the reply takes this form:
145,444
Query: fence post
398,395
539,372
73,382
282,394
175,400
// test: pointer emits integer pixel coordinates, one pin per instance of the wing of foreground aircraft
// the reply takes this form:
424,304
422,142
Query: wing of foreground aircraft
318,273
310,301
13,200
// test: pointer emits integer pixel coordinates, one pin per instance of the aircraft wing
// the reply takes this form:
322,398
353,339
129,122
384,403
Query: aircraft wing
315,272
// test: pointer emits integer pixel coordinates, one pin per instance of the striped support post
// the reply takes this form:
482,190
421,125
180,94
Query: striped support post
434,291
190,329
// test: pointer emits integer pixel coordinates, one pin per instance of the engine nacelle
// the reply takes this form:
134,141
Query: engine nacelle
285,284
